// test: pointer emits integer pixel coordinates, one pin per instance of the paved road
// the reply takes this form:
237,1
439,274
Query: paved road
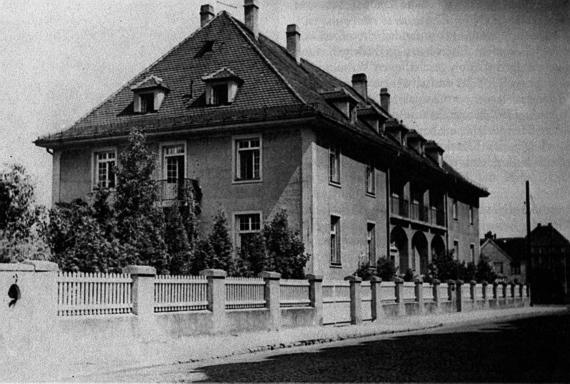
523,350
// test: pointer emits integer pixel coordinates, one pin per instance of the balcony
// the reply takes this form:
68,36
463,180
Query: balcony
414,211
399,207
178,190
437,217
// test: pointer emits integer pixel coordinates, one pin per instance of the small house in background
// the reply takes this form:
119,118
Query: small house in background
506,256
549,252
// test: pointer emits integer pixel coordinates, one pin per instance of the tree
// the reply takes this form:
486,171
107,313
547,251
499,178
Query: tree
221,244
285,252
22,223
250,259
445,267
176,239
385,269
140,223
484,271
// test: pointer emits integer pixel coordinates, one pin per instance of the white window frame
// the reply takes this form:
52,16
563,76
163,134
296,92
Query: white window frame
336,259
455,209
235,158
373,240
235,224
95,167
335,149
161,146
370,167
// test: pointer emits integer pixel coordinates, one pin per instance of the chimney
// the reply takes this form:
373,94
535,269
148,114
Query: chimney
206,14
385,99
250,11
360,84
294,42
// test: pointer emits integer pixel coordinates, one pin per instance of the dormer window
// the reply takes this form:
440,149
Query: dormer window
148,95
435,152
343,101
221,87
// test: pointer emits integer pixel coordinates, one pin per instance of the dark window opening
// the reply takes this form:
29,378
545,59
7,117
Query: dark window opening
147,102
207,47
220,94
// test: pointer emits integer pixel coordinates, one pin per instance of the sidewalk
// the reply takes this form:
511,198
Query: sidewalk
74,360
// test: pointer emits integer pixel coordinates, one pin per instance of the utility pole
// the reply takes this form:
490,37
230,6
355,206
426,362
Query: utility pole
527,243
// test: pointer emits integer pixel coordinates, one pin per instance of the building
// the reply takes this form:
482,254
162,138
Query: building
506,255
257,128
550,272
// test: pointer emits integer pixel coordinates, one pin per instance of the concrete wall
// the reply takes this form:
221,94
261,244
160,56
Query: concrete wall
462,230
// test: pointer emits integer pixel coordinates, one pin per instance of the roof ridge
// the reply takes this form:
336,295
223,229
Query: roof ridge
501,250
264,58
121,87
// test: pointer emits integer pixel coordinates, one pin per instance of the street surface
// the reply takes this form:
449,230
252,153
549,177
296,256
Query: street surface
533,349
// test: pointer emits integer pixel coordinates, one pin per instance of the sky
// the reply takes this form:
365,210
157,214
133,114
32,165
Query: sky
488,80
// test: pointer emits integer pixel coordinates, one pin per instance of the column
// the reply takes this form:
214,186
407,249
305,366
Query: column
459,295
272,298
316,296
436,295
216,297
377,309
143,288
419,296
355,300
400,296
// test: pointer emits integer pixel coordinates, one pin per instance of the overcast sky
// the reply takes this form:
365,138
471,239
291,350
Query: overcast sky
488,80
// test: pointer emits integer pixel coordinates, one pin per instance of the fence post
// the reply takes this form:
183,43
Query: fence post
316,296
504,285
419,295
143,288
377,310
272,298
485,298
436,295
472,290
459,295
495,291
355,300
216,297
521,291
399,286
512,292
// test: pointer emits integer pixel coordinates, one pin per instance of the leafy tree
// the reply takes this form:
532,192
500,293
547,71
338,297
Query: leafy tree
21,222
221,244
140,223
201,258
484,271
445,267
467,272
176,239
285,252
385,269
250,259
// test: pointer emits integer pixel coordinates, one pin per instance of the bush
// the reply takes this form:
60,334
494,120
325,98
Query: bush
364,271
385,269
484,271
409,275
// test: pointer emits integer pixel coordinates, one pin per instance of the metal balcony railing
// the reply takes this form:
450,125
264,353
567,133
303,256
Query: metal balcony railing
179,190
400,207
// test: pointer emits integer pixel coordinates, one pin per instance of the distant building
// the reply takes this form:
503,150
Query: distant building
550,269
257,128
506,255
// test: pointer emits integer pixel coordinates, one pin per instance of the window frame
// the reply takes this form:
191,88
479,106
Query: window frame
336,178
471,215
370,178
454,209
236,158
456,249
472,252
236,228
371,241
335,259
161,147
95,166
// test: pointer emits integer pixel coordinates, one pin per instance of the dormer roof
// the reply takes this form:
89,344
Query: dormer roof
339,94
222,74
150,82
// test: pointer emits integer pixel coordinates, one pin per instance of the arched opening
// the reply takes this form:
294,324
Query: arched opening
437,247
400,240
420,249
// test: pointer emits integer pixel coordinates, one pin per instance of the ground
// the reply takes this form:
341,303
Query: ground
533,349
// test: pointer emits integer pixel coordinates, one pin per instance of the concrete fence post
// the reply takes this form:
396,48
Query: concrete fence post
495,290
399,286
459,295
143,288
436,294
512,291
419,293
472,290
484,285
273,298
355,299
451,290
504,291
316,296
521,290
216,297
376,304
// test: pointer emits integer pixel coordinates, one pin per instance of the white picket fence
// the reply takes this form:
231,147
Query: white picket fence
86,294
173,293
294,293
245,293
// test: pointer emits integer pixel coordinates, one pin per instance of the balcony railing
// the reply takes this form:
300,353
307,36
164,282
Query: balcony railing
415,211
400,207
437,217
179,190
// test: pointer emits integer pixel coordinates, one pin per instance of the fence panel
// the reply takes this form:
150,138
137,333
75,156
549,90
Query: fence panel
87,294
294,293
180,293
479,292
366,300
443,292
388,291
427,291
242,293
489,291
336,301
409,291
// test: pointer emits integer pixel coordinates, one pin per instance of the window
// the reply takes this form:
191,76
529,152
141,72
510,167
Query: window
498,267
454,209
173,162
220,94
104,175
248,159
246,225
456,249
147,102
370,179
335,240
371,243
334,164
472,251
471,215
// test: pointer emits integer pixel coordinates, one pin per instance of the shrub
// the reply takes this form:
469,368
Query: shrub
409,275
364,271
385,269
484,270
